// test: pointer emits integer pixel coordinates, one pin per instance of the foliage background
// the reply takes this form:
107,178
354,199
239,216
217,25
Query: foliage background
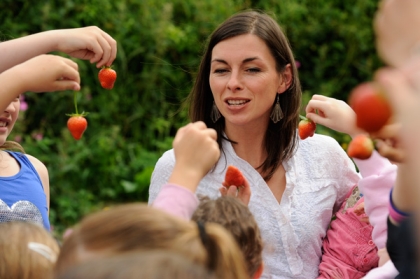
159,47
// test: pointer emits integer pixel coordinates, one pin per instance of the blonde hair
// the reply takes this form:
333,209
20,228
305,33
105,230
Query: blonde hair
138,227
236,217
160,264
28,251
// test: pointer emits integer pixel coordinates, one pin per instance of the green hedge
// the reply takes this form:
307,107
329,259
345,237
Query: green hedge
159,47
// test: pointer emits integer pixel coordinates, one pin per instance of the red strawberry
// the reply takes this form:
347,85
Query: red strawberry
77,125
306,127
371,106
107,77
360,147
234,177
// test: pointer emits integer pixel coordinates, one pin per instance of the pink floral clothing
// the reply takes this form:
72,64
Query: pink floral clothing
349,251
351,245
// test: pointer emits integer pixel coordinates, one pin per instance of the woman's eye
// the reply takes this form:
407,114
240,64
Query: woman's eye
220,71
254,70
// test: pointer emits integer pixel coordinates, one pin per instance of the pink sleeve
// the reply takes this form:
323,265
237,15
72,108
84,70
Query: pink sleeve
378,177
176,200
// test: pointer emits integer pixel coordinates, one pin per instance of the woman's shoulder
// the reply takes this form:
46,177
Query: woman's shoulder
167,159
321,142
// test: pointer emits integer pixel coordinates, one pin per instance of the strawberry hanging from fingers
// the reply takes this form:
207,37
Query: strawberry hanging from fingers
77,125
107,77
306,127
77,122
361,147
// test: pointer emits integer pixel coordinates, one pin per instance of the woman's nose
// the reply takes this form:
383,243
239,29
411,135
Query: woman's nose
235,82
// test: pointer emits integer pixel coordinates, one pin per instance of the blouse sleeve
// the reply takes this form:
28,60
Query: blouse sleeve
161,174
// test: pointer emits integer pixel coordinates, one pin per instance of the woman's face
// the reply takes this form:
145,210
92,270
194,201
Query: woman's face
8,119
244,80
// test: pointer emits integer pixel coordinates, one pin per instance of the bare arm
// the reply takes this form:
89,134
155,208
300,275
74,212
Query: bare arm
88,43
44,73
43,174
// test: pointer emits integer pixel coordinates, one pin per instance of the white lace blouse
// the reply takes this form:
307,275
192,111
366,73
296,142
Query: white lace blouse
318,177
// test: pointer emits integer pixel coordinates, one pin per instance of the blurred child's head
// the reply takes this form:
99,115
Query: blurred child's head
235,216
160,264
28,251
138,227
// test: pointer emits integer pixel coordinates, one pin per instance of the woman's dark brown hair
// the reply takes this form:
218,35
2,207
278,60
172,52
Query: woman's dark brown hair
280,137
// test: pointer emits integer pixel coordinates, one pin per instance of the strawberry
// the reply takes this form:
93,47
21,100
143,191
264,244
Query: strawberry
371,106
360,147
306,127
107,77
234,177
77,125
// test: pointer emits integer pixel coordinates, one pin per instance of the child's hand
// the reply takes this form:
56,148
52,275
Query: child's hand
196,152
332,113
388,144
46,73
88,43
243,193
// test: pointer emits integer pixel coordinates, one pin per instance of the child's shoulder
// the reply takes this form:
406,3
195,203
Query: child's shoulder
38,165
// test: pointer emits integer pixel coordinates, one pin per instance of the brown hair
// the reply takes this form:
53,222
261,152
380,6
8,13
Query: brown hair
281,137
11,145
28,251
236,217
160,264
138,227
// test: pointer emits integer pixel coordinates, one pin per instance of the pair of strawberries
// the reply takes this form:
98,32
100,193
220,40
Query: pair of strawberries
372,112
77,123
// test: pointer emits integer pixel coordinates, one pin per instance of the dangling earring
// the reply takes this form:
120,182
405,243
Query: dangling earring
277,113
215,113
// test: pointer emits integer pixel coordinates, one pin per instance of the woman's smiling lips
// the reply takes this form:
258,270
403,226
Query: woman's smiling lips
236,103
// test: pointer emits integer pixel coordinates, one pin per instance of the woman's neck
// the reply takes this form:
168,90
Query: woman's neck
250,142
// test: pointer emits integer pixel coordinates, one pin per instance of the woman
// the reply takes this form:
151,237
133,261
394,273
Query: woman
248,90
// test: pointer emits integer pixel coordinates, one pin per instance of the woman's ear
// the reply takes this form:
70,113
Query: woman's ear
259,272
286,79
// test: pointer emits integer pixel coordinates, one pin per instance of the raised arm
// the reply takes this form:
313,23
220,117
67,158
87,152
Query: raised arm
88,43
44,73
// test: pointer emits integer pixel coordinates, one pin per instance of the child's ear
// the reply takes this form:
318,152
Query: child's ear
259,272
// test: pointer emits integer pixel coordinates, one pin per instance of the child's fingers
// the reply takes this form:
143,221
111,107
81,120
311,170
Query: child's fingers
223,191
391,153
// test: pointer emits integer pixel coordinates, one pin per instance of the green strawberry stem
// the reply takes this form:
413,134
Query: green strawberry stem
302,117
75,101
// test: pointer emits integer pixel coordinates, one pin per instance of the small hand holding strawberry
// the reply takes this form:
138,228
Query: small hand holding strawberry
371,106
306,128
107,77
236,185
360,147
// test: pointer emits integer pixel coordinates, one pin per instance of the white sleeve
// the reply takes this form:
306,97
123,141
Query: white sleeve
161,174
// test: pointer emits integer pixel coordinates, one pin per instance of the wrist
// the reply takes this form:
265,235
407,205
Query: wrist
185,176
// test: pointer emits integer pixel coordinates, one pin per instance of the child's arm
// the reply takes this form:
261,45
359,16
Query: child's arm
88,43
378,178
196,151
44,73
378,174
43,174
